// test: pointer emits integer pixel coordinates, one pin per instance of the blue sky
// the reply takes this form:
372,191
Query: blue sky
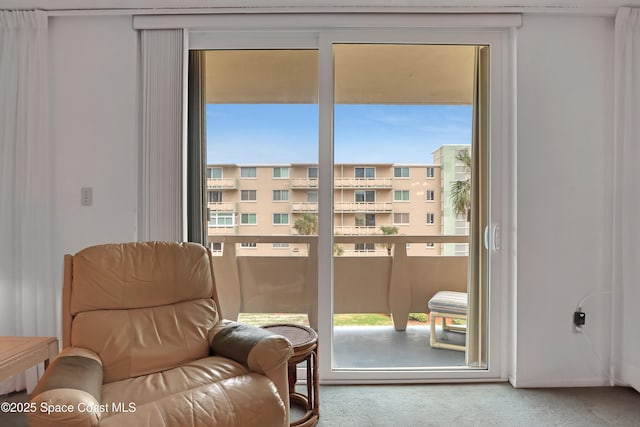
288,133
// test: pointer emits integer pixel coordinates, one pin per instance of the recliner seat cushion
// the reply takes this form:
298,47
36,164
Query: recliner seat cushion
148,388
249,400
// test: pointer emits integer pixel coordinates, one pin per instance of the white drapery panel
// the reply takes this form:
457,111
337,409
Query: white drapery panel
27,284
162,148
626,239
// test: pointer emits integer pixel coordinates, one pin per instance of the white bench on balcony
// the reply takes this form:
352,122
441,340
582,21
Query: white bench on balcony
447,305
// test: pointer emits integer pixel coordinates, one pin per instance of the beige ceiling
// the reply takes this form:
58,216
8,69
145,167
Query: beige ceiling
364,74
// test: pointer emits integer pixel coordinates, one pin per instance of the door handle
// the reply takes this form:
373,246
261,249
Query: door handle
495,238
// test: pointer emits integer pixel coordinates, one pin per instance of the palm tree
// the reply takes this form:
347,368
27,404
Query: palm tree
307,225
389,230
461,190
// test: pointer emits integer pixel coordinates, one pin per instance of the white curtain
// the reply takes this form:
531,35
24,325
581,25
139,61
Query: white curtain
162,147
626,238
27,285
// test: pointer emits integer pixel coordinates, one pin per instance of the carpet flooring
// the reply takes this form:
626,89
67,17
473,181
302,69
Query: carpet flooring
459,405
476,405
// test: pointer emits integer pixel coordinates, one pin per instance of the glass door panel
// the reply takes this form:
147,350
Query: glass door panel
403,133
262,159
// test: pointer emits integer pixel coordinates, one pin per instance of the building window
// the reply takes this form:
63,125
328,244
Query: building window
431,195
280,195
281,172
365,196
400,172
221,219
215,247
248,219
365,173
312,196
431,218
214,173
365,220
312,173
248,195
430,172
246,172
280,246
365,247
401,218
214,196
401,195
280,218
248,245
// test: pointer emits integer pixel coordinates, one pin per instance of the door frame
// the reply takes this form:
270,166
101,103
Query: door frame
321,31
502,192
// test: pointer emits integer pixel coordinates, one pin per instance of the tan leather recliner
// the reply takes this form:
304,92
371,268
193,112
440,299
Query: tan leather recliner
144,346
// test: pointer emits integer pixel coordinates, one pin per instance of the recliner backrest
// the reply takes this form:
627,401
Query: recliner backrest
142,307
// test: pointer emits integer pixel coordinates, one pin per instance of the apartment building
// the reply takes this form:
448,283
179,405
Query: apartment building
452,170
256,200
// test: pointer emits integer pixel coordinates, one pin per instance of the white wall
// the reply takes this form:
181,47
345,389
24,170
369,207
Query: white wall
565,86
565,152
94,130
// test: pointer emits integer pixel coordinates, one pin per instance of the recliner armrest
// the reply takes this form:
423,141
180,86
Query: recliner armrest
69,392
258,349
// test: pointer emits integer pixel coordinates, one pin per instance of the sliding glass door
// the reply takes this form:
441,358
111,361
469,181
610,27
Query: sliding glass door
351,176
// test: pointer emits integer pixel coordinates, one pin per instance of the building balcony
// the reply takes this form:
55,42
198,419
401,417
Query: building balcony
222,230
357,231
304,183
341,182
222,183
304,207
222,207
371,207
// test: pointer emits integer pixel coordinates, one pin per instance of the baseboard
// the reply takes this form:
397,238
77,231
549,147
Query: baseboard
558,383
632,377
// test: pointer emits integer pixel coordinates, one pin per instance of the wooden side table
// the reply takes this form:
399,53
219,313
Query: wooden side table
20,353
305,346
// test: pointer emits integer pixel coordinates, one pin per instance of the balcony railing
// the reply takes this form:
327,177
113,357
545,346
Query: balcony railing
396,284
222,183
356,231
222,207
304,183
222,230
301,207
341,182
363,207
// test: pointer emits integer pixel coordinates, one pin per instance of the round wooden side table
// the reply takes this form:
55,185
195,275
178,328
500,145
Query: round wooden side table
305,346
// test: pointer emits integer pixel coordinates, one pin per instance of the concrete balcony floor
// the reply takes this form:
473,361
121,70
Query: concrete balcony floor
363,347
374,347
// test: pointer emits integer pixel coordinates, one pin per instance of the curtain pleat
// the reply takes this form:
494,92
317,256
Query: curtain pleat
28,289
477,291
161,152
196,149
626,229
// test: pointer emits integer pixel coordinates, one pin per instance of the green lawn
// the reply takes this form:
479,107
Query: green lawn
356,319
372,319
362,319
